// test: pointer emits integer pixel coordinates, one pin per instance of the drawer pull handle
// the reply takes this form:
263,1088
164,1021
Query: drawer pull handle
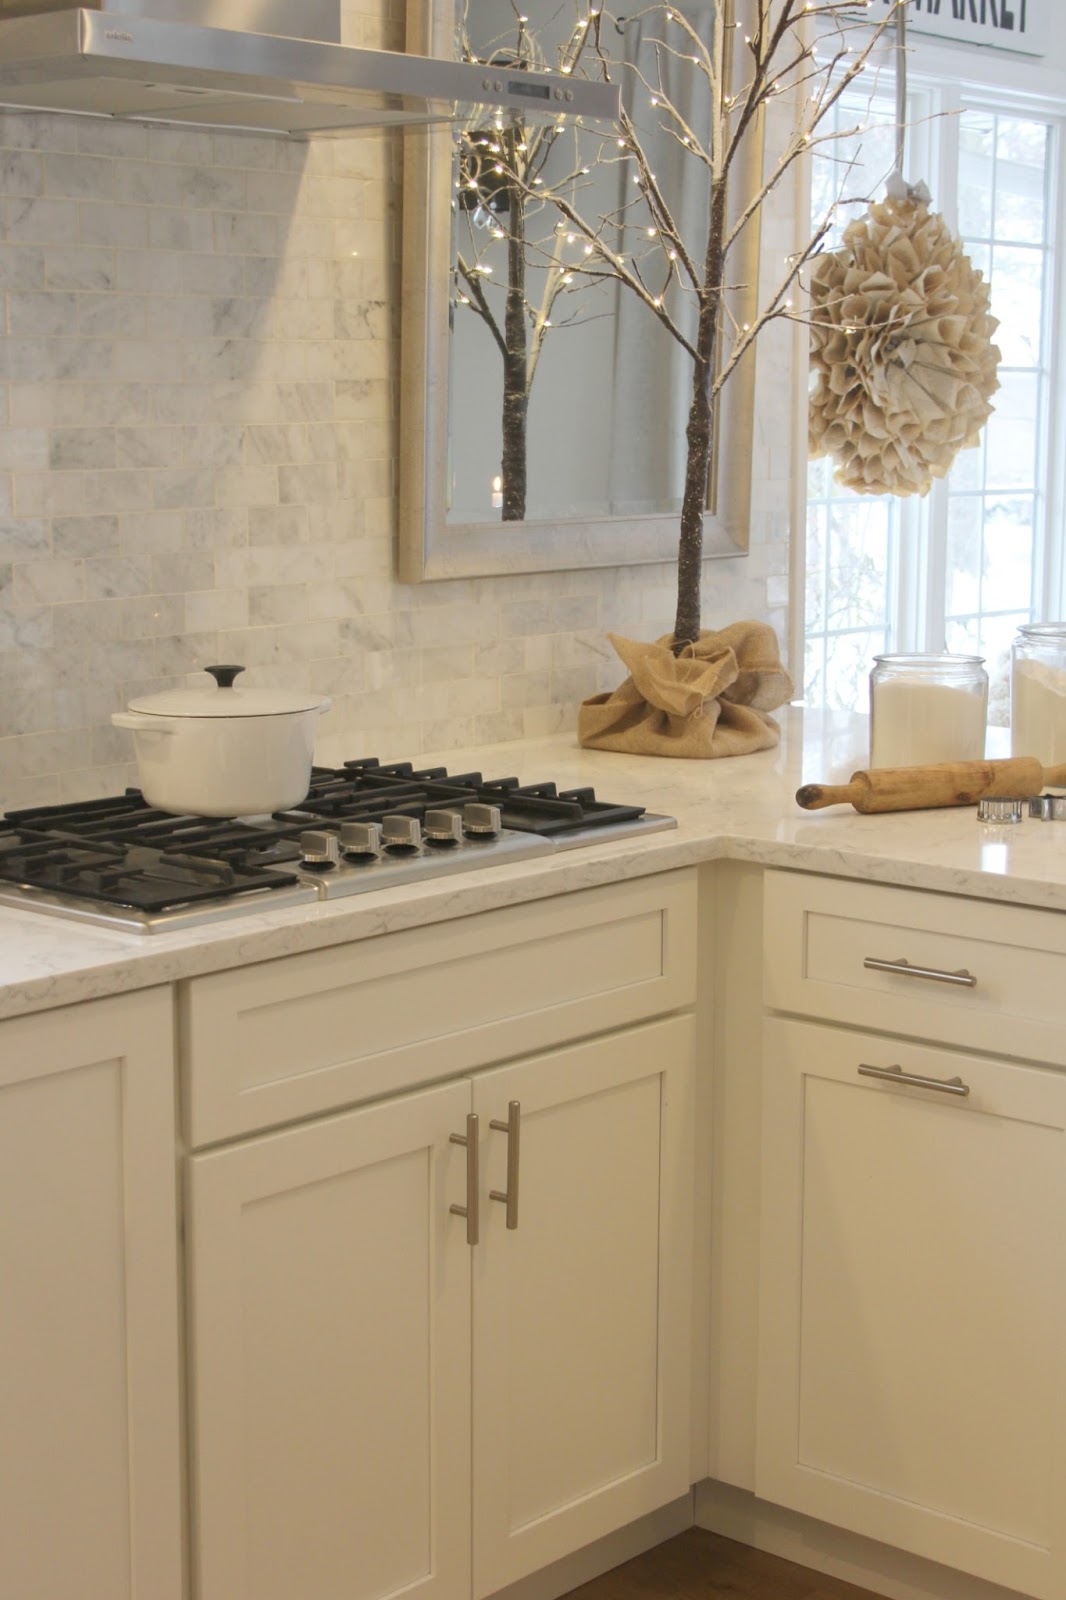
962,979
470,1210
511,1128
953,1086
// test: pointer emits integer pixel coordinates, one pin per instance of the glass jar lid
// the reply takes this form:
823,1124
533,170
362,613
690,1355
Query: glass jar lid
1042,630
930,661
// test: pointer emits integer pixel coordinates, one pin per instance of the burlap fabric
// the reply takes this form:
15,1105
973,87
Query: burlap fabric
711,700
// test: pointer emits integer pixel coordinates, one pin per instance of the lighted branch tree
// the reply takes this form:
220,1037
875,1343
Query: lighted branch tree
502,194
806,53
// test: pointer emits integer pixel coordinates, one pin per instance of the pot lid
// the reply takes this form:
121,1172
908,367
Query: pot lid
221,699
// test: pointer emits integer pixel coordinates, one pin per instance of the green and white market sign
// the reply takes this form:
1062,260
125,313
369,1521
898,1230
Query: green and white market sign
1023,25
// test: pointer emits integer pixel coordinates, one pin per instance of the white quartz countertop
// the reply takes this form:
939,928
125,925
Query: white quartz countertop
739,809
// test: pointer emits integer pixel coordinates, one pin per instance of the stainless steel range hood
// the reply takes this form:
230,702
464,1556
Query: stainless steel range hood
266,66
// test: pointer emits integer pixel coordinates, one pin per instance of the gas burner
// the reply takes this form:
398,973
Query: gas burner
365,825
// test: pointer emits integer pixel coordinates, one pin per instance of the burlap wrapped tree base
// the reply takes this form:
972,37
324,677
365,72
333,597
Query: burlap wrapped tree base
711,700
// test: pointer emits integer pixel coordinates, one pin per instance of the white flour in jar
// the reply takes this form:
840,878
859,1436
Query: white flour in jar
1038,712
915,722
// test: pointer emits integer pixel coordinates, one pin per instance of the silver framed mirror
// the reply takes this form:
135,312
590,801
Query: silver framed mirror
607,501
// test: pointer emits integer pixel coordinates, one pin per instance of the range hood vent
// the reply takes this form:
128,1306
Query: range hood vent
242,64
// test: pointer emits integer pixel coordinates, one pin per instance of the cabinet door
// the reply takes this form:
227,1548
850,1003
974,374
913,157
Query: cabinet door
89,1459
581,1313
331,1359
912,1309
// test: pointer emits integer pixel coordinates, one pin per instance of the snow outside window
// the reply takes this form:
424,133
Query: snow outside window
962,568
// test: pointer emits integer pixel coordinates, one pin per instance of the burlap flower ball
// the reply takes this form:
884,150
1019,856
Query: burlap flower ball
901,345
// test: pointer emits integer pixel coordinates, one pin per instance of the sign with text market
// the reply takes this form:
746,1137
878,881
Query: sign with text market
1023,25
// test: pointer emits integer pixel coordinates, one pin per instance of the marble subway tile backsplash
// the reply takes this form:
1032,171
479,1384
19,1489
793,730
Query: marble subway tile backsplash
199,459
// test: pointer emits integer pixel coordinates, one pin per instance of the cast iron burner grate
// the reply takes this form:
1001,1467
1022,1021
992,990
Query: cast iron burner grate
144,868
527,808
133,876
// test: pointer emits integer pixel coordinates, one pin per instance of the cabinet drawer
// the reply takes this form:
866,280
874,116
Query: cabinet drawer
292,1038
822,933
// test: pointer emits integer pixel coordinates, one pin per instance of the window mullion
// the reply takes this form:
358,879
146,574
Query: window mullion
932,602
1049,600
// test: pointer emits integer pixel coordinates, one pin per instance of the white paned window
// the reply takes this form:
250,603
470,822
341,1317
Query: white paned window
961,568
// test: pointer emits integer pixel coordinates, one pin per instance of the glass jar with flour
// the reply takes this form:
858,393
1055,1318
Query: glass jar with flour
927,708
1038,692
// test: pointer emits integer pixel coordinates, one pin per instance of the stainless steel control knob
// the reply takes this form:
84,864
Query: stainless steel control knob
361,839
443,827
401,833
481,821
319,850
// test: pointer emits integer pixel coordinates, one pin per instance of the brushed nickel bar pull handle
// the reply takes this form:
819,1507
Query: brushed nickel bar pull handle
470,1211
511,1128
962,978
953,1086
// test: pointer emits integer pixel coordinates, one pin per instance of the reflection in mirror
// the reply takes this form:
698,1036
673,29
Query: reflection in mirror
556,371
543,404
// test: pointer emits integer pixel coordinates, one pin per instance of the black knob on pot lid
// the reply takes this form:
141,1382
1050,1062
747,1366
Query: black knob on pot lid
224,676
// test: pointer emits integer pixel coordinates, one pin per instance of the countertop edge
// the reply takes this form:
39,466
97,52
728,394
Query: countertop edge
110,963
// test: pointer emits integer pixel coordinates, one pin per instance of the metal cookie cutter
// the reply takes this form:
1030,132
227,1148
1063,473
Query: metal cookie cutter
1048,807
999,810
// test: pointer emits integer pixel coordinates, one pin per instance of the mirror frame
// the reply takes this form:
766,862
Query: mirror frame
431,547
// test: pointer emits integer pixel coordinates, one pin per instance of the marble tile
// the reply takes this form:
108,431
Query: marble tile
215,528
86,268
112,316
179,573
181,230
101,137
37,130
80,177
24,538
85,536
112,577
186,652
23,447
25,711
278,603
153,616
48,583
247,486
520,690
118,226
148,447
70,448
213,609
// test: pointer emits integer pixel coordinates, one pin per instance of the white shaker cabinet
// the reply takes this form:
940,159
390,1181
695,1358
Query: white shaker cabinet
582,1311
380,1404
330,1358
912,1307
90,1462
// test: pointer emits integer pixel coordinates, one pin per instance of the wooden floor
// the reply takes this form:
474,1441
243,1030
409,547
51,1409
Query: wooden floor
702,1566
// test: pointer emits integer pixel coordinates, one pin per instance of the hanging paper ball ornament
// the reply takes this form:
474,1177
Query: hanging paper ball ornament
901,345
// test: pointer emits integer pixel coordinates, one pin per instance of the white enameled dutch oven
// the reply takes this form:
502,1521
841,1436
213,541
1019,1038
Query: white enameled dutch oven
221,751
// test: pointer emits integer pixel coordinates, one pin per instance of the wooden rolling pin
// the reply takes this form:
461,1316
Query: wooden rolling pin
952,783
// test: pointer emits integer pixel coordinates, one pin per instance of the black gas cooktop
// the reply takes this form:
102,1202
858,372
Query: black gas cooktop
363,826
